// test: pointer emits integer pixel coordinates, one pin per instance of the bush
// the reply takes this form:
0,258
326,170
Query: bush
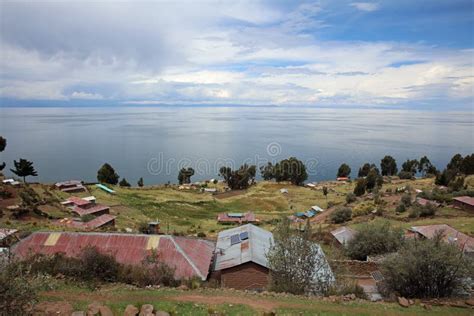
359,189
374,239
347,287
401,208
363,209
341,215
426,268
406,200
98,266
405,175
17,293
422,210
350,197
201,235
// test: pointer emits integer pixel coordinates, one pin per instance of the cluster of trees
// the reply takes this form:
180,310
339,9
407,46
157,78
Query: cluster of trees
239,179
107,174
370,181
456,170
185,174
3,144
291,169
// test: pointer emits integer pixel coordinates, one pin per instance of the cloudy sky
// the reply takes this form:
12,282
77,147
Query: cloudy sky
399,53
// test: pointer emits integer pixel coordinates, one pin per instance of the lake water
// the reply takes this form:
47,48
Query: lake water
153,143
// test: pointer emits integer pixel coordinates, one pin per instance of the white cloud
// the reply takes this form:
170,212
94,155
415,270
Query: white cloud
86,96
365,6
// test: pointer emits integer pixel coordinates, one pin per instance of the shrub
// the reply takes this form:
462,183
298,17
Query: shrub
405,175
406,200
359,189
5,194
350,197
363,209
98,266
426,268
401,208
201,235
331,204
341,215
422,210
374,239
17,293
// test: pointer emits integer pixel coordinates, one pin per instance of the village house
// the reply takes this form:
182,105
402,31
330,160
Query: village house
240,258
449,235
85,206
70,186
236,218
188,257
105,220
343,235
464,202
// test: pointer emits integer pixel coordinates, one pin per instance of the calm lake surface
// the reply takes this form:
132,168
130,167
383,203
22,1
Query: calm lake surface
153,143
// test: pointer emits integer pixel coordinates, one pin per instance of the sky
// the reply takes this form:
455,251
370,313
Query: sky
328,53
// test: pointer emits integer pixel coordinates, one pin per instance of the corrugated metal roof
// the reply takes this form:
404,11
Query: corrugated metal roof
99,221
253,249
343,234
248,217
188,256
465,199
78,201
90,210
5,232
450,235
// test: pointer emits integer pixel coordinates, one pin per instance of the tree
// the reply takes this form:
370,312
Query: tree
359,189
344,171
410,166
295,262
455,163
238,179
185,175
426,167
107,174
373,179
426,268
292,170
388,165
325,192
24,168
445,177
467,165
267,171
124,183
374,239
3,144
140,182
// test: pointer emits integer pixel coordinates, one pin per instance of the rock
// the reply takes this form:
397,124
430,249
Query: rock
458,305
183,287
352,296
411,302
93,309
105,311
146,310
162,313
78,313
403,302
470,302
131,310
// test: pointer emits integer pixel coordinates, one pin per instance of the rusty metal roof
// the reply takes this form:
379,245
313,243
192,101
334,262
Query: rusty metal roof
99,221
465,199
450,235
253,249
188,256
90,210
78,201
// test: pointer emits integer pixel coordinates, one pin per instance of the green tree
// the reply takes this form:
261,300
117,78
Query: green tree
410,166
296,263
364,170
325,192
292,170
388,165
344,171
426,268
107,174
3,144
238,179
359,189
455,163
341,215
426,167
185,174
124,183
140,182
467,165
267,171
24,168
373,179
374,239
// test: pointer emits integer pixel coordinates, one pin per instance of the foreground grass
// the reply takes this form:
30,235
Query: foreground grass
228,302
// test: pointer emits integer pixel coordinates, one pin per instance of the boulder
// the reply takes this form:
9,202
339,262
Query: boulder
93,309
131,310
403,302
146,310
105,311
470,301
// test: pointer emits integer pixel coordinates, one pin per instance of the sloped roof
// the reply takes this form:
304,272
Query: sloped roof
236,217
5,232
188,256
99,221
450,235
78,201
343,234
465,199
90,210
253,249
